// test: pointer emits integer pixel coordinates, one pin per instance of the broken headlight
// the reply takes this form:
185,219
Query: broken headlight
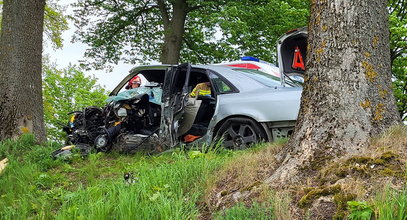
122,112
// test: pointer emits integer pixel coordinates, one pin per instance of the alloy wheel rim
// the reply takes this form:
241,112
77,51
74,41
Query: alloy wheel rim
239,136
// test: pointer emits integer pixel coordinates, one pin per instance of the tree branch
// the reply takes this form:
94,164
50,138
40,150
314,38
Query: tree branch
191,47
193,8
396,52
164,13
138,12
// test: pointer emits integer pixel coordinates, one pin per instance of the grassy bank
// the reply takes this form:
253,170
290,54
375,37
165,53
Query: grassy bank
171,185
166,186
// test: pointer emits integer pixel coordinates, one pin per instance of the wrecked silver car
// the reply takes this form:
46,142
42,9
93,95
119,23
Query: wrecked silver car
241,106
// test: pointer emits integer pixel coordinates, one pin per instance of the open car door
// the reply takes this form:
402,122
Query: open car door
292,55
174,98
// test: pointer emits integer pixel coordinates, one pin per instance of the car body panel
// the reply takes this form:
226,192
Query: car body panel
263,105
174,102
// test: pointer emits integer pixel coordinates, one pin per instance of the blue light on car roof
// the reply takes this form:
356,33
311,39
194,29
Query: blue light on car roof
249,58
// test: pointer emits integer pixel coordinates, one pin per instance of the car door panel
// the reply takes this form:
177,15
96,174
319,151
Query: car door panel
175,98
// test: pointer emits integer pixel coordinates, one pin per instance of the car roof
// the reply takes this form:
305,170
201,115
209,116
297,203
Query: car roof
257,65
231,74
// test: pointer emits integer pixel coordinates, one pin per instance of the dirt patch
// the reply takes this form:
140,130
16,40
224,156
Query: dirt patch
323,208
241,179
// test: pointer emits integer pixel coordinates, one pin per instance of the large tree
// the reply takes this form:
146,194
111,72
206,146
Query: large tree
183,30
21,107
141,25
347,96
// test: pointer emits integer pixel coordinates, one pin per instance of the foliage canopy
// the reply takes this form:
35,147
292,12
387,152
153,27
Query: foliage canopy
55,22
398,45
65,91
214,30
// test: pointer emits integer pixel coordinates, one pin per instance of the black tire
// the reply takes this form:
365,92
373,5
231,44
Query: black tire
239,133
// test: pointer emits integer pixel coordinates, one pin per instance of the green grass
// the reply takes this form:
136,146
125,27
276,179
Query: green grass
390,204
256,212
167,186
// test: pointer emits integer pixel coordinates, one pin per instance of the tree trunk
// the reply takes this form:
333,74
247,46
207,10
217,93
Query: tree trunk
347,95
21,109
174,29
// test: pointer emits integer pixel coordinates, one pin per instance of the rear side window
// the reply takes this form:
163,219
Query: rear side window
220,85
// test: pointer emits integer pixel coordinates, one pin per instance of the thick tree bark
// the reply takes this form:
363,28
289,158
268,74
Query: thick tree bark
21,109
174,29
347,96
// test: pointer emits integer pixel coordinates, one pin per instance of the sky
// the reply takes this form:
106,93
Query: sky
71,53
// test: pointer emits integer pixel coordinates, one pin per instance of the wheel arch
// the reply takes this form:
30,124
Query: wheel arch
263,126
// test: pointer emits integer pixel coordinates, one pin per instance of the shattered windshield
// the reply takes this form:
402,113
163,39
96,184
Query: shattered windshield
154,94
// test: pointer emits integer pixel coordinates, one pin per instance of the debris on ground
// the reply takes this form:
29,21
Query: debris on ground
3,164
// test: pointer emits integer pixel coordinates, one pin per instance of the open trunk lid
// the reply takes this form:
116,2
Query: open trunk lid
292,54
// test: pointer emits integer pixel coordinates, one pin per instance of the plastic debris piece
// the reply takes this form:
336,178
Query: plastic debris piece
190,138
3,164
68,147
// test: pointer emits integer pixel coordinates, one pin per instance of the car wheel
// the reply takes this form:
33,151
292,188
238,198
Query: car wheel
240,133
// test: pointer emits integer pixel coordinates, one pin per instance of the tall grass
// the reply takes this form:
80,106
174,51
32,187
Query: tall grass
240,211
163,191
21,194
390,204
166,186
387,204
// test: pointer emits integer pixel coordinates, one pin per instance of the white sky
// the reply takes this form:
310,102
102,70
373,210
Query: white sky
71,53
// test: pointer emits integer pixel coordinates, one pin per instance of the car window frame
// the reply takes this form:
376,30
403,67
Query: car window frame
270,77
226,81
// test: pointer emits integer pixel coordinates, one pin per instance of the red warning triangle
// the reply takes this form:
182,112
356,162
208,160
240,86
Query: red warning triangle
298,62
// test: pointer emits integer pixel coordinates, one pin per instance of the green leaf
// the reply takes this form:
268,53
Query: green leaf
155,196
195,154
64,91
